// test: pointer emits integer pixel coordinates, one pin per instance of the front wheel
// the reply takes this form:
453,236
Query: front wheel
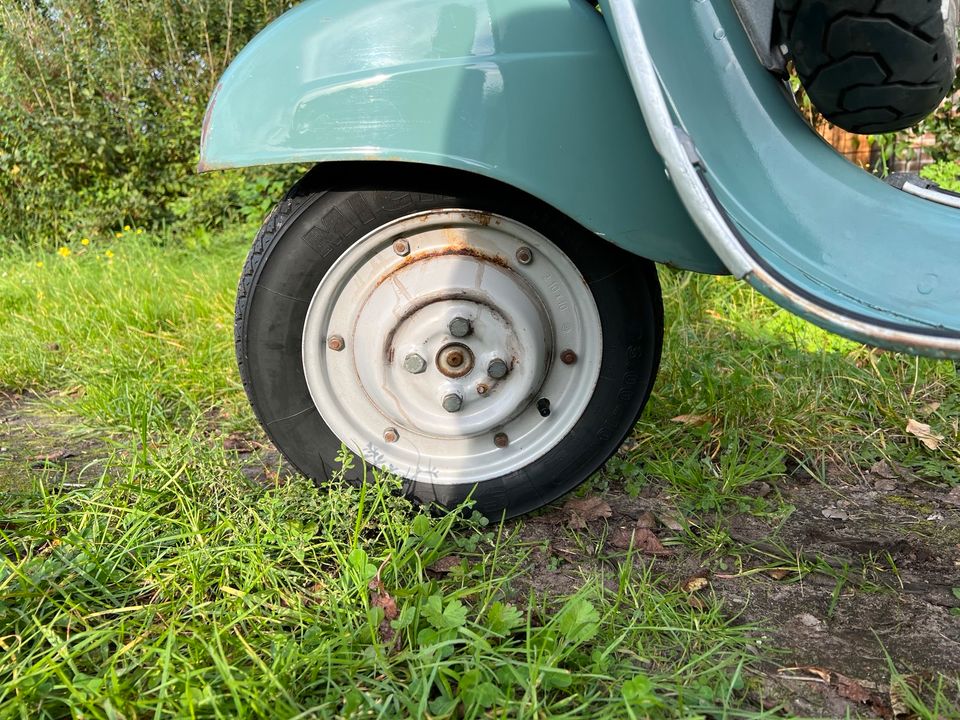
475,342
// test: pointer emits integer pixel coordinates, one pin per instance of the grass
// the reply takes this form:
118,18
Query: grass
173,586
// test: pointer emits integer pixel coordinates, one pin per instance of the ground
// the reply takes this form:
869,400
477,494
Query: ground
857,577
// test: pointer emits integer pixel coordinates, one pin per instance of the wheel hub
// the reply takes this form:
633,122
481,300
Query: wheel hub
455,360
450,345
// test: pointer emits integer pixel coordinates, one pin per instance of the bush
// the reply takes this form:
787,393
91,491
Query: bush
946,174
101,104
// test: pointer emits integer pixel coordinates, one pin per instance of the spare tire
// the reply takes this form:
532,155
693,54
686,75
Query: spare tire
872,66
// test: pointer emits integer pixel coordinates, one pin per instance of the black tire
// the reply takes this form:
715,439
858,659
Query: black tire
872,66
319,219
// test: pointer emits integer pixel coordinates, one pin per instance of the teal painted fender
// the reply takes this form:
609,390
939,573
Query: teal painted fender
531,93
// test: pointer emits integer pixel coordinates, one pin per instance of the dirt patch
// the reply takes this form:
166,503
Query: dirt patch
858,579
34,444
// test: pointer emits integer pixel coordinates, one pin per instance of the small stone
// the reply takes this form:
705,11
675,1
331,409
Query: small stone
953,497
882,469
834,513
809,620
886,484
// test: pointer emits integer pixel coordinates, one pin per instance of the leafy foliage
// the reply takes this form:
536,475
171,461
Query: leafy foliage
101,104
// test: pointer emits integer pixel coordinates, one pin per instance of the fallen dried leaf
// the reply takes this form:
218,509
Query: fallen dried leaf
851,689
445,565
647,520
692,419
55,457
380,598
584,510
694,584
929,409
777,573
239,443
648,543
923,433
641,539
820,673
670,522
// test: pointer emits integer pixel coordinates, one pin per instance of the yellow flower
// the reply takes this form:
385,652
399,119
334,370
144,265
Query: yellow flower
126,228
139,231
64,252
39,263
108,254
85,242
118,235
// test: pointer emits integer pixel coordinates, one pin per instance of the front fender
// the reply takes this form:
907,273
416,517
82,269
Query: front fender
527,92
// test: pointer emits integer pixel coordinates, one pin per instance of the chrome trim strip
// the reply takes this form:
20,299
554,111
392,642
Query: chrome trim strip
936,196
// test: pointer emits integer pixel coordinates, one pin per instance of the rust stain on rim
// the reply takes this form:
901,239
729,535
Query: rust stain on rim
458,248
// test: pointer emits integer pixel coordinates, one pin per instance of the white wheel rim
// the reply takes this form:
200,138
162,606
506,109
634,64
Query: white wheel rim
391,298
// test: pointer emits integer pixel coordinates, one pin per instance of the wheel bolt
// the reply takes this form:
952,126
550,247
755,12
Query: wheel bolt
391,435
452,402
335,343
401,247
501,440
459,327
568,357
524,255
414,364
497,369
482,389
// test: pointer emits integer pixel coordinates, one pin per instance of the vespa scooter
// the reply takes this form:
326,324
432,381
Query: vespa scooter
463,288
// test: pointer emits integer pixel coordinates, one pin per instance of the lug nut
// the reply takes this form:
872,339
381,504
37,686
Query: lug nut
524,255
568,357
391,435
501,440
459,327
497,369
335,343
452,403
414,364
401,247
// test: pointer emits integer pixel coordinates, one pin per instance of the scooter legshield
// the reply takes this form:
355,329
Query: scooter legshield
530,93
779,206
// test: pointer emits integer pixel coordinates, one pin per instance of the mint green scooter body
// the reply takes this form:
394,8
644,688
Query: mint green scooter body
534,94
780,206
530,93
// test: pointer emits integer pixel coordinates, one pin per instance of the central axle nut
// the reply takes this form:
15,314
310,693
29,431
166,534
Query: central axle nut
455,360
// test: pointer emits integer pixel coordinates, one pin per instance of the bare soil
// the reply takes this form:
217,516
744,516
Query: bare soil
858,579
887,546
